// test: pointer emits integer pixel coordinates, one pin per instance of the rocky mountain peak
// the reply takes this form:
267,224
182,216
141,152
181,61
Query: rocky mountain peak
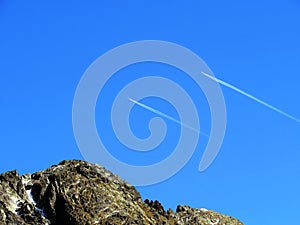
75,192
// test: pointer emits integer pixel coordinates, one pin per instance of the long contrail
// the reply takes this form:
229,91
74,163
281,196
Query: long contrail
167,116
252,97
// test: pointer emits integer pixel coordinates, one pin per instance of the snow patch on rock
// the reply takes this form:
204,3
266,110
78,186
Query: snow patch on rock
26,181
13,203
203,210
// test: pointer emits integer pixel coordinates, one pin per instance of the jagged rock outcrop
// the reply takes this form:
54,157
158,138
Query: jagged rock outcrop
75,192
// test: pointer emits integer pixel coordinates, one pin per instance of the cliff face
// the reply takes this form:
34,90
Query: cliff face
79,193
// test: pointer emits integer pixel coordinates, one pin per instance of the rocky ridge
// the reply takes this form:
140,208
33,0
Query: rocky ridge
75,192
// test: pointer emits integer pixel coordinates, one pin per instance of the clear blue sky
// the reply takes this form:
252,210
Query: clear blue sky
46,47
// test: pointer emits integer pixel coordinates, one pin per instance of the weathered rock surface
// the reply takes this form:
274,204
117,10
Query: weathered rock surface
79,193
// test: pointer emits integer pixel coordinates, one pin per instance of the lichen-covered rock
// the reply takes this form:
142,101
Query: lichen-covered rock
75,192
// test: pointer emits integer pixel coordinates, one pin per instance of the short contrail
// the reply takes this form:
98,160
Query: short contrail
166,116
251,97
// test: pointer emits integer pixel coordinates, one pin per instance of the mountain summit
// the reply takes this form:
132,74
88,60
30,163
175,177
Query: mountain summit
75,192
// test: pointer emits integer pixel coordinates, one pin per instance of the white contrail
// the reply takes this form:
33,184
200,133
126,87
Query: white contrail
166,116
251,97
